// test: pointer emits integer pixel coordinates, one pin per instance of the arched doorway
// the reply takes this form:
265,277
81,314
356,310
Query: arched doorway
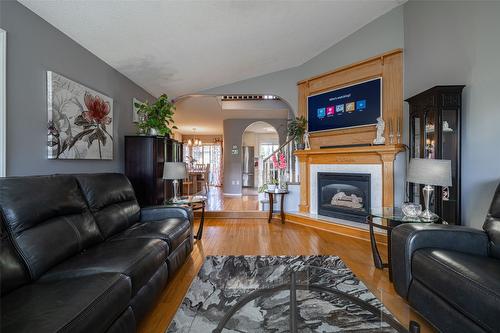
258,141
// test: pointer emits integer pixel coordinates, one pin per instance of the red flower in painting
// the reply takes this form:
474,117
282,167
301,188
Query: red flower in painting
98,110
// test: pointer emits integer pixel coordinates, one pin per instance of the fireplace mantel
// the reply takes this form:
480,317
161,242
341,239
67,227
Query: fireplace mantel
383,154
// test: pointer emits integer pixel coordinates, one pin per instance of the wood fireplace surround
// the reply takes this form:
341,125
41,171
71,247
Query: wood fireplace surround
389,66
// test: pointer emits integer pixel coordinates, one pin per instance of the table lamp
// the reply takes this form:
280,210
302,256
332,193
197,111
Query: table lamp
429,172
174,171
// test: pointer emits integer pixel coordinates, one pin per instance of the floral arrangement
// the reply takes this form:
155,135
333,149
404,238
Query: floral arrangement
279,161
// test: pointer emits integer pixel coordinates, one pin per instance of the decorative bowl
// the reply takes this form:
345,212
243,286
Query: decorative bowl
411,209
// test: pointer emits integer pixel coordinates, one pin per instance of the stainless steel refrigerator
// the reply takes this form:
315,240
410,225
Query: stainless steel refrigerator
247,172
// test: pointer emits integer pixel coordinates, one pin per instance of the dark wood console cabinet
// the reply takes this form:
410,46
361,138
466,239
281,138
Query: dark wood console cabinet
435,128
144,158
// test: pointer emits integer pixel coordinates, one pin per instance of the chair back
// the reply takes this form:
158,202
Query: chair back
207,171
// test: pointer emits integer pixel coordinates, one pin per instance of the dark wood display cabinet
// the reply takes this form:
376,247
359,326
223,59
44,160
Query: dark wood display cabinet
435,128
144,158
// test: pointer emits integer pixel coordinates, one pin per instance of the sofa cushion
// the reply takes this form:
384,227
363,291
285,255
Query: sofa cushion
172,230
83,304
12,270
492,224
47,218
469,283
111,199
137,258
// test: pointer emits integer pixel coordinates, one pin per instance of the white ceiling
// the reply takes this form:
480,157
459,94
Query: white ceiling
207,113
181,47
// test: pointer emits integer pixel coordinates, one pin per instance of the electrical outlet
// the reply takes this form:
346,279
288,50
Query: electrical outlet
237,182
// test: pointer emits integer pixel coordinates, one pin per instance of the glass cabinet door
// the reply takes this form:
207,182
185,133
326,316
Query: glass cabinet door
430,135
449,151
430,140
415,152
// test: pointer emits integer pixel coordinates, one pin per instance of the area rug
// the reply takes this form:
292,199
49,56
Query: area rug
223,281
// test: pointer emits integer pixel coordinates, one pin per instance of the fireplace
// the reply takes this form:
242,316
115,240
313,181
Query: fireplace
344,195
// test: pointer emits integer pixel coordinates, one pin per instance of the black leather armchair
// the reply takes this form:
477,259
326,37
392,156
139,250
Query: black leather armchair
451,274
78,254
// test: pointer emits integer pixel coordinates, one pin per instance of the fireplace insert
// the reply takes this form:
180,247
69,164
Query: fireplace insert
344,195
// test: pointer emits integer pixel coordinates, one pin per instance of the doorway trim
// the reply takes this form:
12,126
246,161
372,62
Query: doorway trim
3,104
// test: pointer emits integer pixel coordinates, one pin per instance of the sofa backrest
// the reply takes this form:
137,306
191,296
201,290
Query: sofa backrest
112,201
47,219
492,224
12,269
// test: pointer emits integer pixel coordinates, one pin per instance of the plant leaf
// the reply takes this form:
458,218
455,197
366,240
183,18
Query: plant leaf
100,136
78,137
81,121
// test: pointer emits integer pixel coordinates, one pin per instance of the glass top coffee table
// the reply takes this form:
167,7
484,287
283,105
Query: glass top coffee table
386,218
196,202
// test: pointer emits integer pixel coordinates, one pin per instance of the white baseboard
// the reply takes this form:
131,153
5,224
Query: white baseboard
232,194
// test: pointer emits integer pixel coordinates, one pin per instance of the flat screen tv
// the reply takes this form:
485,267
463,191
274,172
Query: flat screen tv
356,105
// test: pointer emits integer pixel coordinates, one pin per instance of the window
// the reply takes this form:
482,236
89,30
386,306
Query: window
207,153
267,149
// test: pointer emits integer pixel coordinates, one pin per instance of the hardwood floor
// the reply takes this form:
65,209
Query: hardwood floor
217,201
257,237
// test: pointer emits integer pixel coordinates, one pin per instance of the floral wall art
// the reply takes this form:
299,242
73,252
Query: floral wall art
80,121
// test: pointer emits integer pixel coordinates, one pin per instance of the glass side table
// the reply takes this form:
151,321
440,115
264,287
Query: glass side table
196,202
386,218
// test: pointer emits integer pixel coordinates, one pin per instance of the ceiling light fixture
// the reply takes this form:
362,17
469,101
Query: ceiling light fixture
248,97
195,141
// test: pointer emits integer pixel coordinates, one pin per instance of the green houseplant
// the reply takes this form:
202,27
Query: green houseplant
156,118
297,128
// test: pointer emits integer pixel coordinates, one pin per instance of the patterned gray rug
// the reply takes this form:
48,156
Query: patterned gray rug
253,294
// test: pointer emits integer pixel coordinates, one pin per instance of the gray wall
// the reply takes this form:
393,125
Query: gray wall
459,43
382,34
33,47
448,42
233,132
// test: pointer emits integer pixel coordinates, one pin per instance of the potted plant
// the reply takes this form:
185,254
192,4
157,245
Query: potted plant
296,129
156,118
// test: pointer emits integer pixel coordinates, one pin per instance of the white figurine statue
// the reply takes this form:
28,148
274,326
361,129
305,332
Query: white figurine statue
307,144
380,139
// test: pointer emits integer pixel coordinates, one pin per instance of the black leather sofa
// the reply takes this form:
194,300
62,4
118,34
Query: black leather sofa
78,254
451,274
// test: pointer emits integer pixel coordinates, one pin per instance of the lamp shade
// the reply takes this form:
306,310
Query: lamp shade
174,170
429,172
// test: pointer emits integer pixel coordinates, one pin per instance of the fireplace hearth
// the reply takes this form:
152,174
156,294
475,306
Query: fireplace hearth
344,195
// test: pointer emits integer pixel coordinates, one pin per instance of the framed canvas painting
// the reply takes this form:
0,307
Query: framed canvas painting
80,121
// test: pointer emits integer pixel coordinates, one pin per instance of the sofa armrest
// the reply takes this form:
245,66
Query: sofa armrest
408,238
155,213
